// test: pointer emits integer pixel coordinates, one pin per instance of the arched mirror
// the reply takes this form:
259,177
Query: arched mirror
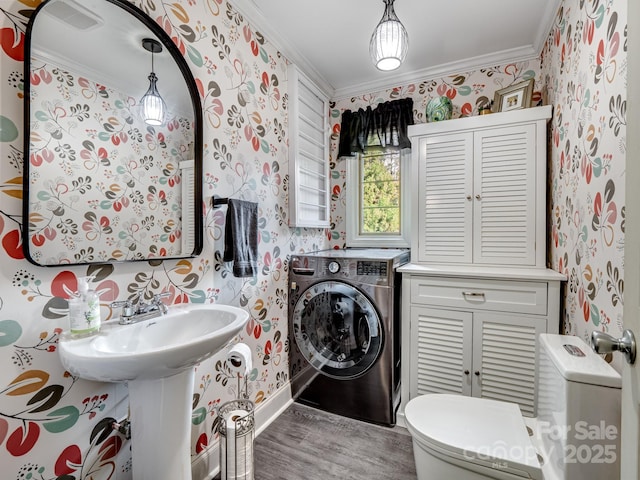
103,181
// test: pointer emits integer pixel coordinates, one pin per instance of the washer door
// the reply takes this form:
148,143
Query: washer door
337,329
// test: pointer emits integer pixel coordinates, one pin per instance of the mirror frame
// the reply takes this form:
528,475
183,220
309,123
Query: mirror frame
189,79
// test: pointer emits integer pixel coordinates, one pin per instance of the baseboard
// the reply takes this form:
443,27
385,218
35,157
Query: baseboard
207,465
400,420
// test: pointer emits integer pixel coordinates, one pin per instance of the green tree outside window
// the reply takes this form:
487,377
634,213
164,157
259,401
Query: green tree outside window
380,192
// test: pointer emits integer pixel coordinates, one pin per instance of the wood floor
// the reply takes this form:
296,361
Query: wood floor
308,444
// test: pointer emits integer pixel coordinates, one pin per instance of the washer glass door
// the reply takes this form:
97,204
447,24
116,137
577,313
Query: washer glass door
337,329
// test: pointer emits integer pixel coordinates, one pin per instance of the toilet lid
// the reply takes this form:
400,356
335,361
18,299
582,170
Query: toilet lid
476,430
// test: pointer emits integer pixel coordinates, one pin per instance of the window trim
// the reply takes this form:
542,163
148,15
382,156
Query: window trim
354,209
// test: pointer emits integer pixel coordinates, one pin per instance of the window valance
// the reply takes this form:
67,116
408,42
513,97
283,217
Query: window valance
385,125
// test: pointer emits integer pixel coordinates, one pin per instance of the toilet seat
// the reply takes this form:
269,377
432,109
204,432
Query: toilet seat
476,433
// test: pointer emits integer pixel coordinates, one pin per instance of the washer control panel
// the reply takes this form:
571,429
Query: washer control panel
369,267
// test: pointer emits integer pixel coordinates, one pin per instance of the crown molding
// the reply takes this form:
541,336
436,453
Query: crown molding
547,24
416,76
250,10
521,54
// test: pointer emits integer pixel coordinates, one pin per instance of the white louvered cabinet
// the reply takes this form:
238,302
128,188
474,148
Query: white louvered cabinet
488,355
504,358
479,185
441,344
309,180
473,330
477,292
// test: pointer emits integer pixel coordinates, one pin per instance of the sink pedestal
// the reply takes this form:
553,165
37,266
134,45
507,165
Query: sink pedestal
160,412
157,358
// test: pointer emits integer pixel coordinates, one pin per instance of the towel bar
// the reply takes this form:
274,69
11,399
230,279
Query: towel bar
217,202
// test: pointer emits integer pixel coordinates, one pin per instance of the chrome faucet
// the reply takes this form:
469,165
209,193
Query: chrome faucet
141,310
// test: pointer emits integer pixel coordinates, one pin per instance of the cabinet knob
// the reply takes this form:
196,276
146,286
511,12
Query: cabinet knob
478,197
468,197
466,372
477,373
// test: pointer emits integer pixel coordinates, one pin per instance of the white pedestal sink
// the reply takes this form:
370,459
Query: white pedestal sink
157,359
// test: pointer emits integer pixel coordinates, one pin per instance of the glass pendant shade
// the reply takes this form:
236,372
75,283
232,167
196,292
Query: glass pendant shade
389,42
153,106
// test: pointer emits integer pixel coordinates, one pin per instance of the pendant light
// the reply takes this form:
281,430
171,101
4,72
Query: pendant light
153,106
389,42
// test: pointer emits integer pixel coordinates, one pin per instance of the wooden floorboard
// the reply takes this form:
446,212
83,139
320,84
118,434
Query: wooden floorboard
308,444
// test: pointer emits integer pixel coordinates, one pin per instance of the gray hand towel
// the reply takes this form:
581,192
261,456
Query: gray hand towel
241,237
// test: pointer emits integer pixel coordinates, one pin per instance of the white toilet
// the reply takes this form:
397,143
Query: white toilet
576,435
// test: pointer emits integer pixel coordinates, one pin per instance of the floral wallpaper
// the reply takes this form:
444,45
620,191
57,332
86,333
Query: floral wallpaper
584,69
104,185
52,424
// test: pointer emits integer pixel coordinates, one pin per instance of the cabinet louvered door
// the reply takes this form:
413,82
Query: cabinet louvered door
308,152
445,185
504,196
441,342
504,358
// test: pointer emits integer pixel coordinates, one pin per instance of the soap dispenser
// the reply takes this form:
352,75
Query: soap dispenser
84,310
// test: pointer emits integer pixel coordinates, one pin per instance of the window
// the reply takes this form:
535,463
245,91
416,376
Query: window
378,148
378,198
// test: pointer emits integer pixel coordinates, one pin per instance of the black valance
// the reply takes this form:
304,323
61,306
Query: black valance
386,125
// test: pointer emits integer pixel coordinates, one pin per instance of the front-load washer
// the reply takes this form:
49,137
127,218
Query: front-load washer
344,331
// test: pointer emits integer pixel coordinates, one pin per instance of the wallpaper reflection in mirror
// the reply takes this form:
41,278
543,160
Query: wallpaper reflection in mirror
104,185
101,184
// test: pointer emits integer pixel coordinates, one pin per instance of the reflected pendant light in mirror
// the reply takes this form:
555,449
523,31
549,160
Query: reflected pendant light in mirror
153,106
389,42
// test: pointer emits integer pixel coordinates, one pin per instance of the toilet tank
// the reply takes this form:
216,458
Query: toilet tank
578,423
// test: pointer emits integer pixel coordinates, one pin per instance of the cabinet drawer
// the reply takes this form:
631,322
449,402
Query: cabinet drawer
499,295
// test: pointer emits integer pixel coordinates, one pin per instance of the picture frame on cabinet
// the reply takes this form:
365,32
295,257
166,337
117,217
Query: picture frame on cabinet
514,97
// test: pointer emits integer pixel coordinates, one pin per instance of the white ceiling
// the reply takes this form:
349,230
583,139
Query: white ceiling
329,39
